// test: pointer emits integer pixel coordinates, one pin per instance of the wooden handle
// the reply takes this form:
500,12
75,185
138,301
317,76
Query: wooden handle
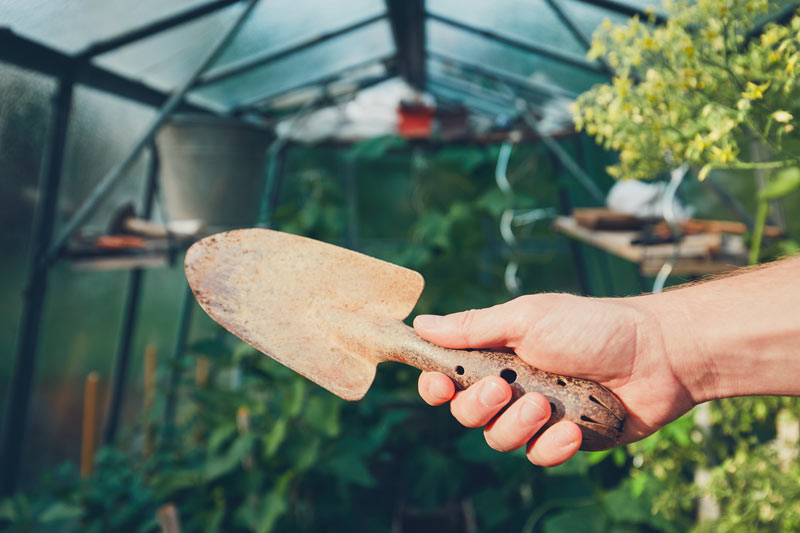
594,408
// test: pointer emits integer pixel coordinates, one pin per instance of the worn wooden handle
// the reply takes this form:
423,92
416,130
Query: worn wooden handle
596,410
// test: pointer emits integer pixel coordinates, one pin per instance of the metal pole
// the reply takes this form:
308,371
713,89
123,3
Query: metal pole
605,267
175,364
129,316
113,176
564,158
351,197
35,292
565,207
276,166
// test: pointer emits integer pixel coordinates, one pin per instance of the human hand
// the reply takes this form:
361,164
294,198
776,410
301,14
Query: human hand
615,342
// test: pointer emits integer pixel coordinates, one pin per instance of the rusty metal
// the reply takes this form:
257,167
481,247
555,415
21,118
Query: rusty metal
332,315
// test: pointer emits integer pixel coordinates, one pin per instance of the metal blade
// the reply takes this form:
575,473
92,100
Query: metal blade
278,292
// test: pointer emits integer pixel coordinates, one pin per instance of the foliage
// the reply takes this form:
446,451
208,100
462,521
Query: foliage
707,88
257,447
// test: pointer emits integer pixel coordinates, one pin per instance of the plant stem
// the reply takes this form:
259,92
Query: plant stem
758,230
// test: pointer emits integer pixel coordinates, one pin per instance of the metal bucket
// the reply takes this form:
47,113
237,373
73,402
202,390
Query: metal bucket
212,170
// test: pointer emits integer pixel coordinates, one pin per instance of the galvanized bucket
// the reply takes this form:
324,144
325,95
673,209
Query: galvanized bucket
212,170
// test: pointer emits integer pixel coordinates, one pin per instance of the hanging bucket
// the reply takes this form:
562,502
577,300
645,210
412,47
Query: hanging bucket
212,170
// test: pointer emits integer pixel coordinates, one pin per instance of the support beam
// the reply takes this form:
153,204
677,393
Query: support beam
29,54
113,176
626,9
137,34
407,18
508,78
323,81
176,364
552,54
259,60
576,32
130,314
21,383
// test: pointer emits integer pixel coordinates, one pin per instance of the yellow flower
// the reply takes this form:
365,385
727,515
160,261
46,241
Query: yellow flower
782,116
723,155
755,92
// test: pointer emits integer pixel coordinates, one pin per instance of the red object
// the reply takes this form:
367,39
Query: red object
118,242
415,121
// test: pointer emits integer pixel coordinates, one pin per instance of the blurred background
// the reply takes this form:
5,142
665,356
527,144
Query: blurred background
437,135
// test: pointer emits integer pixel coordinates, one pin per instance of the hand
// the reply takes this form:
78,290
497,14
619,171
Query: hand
615,342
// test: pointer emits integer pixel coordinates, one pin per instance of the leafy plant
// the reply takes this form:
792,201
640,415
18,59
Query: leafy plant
709,88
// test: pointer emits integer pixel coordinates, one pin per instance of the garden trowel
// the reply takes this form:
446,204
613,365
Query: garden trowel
333,314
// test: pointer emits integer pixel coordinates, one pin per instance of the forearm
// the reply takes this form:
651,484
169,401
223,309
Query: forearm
735,336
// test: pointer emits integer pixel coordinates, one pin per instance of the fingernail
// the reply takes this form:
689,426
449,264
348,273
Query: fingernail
492,395
427,321
531,413
439,390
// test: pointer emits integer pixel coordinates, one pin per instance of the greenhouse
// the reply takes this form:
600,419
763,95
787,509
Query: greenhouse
236,230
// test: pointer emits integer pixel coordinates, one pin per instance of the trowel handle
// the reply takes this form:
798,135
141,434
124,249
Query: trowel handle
598,412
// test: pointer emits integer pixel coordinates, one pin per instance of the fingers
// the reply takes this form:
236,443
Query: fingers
519,423
481,402
435,388
477,328
557,444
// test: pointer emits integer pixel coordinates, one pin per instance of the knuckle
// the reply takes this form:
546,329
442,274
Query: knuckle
466,321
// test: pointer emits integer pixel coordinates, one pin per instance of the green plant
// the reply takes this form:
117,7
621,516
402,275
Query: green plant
708,88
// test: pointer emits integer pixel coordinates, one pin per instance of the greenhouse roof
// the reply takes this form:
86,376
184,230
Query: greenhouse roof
294,54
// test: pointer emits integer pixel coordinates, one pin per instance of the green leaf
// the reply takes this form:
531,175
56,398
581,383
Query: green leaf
7,510
350,469
274,504
60,511
276,436
376,147
782,183
323,414
589,519
593,458
221,465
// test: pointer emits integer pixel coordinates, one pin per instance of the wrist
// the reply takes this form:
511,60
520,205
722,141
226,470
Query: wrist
675,323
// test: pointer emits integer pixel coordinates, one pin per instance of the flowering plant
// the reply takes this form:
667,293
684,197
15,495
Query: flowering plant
700,89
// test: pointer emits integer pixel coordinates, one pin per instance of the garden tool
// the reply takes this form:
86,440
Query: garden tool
332,315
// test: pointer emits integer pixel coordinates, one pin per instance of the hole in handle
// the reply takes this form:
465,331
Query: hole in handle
509,375
460,370
562,383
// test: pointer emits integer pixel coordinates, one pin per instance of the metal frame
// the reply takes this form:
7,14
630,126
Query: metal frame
11,445
323,81
29,54
554,55
259,60
408,21
130,313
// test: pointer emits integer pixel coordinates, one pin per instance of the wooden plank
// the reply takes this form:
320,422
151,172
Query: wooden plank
89,429
700,254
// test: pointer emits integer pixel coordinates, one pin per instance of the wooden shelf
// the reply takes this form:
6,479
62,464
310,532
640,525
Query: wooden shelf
700,254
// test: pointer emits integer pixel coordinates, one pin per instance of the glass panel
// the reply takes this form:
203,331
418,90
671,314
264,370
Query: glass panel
71,26
588,17
477,50
349,82
278,24
442,89
372,42
532,21
167,59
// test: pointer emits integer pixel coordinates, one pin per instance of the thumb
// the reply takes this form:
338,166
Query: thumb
492,327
